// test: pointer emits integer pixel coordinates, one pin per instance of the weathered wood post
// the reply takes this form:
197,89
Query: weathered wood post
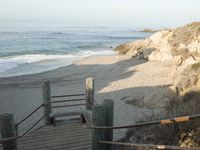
109,113
47,102
89,93
7,129
98,119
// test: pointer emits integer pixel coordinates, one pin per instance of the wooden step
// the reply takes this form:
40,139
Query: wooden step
53,116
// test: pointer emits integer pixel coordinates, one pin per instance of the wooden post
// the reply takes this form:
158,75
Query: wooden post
47,102
98,118
89,93
7,129
109,113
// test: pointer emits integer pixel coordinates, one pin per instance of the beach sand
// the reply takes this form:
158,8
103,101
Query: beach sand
116,77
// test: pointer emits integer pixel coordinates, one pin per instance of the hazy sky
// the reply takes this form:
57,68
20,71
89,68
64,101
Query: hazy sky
144,13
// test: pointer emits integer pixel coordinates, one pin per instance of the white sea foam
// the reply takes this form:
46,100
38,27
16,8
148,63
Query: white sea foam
24,64
35,58
8,63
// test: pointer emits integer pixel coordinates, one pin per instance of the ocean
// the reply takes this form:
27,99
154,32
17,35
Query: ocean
35,47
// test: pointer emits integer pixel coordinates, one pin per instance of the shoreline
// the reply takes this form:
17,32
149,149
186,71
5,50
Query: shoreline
51,70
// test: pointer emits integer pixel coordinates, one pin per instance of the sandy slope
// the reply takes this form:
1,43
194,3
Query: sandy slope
143,84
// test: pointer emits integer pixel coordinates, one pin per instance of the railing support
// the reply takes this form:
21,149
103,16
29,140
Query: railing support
109,117
7,129
98,119
89,93
47,102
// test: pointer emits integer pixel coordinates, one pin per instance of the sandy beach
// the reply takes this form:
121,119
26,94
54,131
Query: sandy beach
116,77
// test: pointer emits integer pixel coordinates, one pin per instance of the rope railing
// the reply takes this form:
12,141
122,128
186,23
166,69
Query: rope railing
70,95
33,125
30,114
23,128
162,122
86,121
160,147
5,140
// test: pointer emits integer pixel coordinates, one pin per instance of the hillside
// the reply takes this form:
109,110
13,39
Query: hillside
181,44
178,48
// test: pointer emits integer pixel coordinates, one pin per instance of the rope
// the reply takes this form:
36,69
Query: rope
22,128
72,95
29,115
71,100
166,121
161,147
5,140
33,125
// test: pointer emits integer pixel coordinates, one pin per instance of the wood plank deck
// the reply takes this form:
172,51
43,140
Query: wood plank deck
66,136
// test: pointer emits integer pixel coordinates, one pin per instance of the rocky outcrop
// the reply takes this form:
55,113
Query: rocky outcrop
133,48
149,30
182,43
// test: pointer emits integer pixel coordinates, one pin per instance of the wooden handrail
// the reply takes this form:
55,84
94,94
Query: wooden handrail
70,100
70,95
60,106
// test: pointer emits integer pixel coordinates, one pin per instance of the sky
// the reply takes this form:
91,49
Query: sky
137,13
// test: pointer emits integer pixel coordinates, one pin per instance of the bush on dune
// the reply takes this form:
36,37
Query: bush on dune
181,134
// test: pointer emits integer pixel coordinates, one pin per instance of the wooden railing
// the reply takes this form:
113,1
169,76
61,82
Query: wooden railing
9,130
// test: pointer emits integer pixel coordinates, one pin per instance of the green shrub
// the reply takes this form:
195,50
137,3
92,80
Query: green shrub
196,66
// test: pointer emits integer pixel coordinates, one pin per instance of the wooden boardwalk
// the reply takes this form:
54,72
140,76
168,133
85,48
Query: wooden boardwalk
66,136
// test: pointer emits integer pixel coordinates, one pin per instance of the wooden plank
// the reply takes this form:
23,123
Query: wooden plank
55,144
63,126
57,134
70,136
59,130
64,114
44,139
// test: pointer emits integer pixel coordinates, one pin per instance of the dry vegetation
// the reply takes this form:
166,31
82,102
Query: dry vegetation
184,35
180,134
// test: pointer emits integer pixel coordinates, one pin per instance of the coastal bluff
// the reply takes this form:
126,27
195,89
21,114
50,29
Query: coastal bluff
179,47
182,45
178,52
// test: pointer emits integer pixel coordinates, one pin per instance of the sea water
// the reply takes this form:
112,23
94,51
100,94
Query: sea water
28,47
